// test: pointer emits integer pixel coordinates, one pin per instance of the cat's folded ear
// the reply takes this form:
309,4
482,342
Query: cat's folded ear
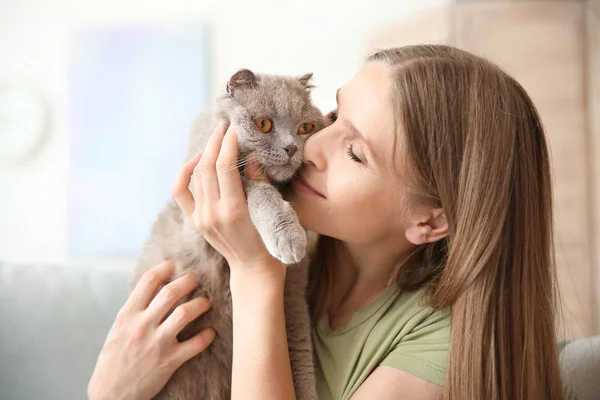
304,80
244,78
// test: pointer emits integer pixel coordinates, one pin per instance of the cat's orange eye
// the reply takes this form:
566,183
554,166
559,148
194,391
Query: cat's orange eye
264,124
305,128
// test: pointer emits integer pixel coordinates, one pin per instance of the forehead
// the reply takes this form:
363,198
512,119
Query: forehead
365,101
278,96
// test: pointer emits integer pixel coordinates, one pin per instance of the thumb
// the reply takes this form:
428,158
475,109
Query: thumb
254,172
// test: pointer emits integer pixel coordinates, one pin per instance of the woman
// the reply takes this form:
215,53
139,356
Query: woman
434,273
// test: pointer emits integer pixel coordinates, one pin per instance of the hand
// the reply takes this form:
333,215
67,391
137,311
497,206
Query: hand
218,207
141,351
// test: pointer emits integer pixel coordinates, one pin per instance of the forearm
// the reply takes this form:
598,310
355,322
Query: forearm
261,362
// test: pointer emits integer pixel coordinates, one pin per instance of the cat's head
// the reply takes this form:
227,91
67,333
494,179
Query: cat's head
274,116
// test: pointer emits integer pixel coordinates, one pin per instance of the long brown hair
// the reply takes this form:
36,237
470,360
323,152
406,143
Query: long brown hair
475,146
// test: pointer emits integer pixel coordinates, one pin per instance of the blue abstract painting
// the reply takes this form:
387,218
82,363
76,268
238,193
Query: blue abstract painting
133,93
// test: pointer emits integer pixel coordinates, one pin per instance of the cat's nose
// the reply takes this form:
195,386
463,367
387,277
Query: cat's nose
291,150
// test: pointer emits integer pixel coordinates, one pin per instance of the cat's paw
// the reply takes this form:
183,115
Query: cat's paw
287,243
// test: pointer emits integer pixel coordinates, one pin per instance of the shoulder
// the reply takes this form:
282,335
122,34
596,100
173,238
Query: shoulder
416,315
396,333
420,344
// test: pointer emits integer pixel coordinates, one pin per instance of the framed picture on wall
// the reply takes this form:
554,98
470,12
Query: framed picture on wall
133,93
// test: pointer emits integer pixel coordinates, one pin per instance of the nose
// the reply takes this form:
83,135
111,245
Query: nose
318,147
291,150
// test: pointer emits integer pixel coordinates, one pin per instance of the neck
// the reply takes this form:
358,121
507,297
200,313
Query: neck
362,272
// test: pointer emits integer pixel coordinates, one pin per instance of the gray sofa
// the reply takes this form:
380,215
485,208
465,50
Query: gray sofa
54,319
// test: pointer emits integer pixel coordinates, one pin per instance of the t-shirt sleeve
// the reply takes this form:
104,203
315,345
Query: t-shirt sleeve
423,352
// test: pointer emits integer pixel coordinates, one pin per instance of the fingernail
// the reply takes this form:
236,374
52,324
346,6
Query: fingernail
223,122
195,157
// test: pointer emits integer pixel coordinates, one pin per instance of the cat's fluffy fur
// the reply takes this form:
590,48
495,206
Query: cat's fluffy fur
286,101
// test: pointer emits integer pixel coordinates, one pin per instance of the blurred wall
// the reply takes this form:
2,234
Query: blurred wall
328,38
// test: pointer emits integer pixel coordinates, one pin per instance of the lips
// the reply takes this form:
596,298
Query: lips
301,181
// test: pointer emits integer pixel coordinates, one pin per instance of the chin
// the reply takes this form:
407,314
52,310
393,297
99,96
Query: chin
280,173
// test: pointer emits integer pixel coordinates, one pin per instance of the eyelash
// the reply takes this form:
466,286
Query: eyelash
333,117
352,155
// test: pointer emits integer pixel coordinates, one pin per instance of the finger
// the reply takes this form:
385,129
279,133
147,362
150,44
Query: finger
148,285
206,167
194,345
197,188
254,171
169,295
183,315
180,191
230,181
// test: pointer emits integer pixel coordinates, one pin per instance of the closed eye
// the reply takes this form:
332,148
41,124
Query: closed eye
351,154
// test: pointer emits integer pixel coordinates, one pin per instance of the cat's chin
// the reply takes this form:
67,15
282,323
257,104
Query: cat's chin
280,173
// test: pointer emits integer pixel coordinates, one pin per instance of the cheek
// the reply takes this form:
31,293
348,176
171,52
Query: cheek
357,203
354,212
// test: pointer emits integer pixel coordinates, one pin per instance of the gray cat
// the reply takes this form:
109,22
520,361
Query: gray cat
273,116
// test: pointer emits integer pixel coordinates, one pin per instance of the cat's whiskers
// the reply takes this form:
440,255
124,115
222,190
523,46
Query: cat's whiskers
247,160
250,157
260,169
243,162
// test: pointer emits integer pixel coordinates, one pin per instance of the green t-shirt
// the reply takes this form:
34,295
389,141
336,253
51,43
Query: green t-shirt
395,329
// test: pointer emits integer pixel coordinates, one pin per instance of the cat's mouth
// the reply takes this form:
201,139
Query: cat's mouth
277,170
280,173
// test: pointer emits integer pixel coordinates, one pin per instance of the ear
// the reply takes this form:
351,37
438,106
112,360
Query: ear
304,80
244,78
427,228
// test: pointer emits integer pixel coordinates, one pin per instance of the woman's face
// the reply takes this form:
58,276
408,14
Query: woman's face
350,164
